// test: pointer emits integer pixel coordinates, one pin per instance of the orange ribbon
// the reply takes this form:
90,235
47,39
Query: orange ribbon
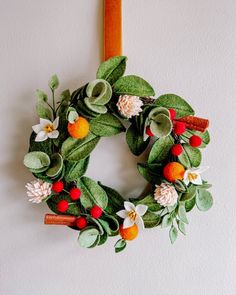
112,28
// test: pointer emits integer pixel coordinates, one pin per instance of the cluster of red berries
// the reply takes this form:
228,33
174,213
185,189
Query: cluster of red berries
75,193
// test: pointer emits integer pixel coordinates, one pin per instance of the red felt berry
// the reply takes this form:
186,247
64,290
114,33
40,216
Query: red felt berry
179,128
81,222
195,141
75,193
172,114
96,211
58,186
177,149
62,206
148,131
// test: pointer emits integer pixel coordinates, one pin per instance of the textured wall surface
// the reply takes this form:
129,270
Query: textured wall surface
186,47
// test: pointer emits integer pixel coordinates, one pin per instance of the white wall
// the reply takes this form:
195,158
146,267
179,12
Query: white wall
187,47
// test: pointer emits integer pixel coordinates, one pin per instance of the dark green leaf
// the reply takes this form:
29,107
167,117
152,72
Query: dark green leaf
205,136
189,194
112,69
160,149
150,202
133,85
53,201
189,205
135,141
55,166
120,245
74,170
151,219
192,154
115,200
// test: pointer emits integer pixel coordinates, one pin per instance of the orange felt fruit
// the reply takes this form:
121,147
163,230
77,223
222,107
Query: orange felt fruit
173,171
79,129
129,233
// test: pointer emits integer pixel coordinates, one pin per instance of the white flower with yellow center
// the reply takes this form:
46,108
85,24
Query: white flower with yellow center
193,175
46,129
132,214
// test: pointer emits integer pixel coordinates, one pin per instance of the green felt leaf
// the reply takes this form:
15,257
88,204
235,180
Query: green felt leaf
112,69
105,226
103,239
88,237
192,155
84,111
173,234
189,205
162,126
120,245
106,125
156,111
92,193
160,149
97,224
53,82
43,110
72,116
204,200
205,136
112,222
151,219
100,109
41,146
133,85
172,101
166,221
204,186
73,207
55,166
150,202
135,141
191,193
77,149
180,186
65,95
182,213
74,170
181,227
115,200
99,92
41,96
36,160
150,174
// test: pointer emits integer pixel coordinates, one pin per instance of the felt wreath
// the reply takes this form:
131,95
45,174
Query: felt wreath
69,130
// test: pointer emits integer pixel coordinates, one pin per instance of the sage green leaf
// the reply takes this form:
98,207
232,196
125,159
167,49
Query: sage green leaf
135,141
133,85
72,116
54,200
112,222
120,245
160,149
189,205
103,239
106,125
180,186
53,82
150,202
182,213
161,126
191,193
96,223
88,237
115,200
105,226
65,95
77,149
172,101
99,92
41,96
166,221
84,111
43,111
36,160
74,170
173,234
204,200
157,111
151,219
184,159
181,227
100,109
204,186
112,69
55,166
92,193
205,136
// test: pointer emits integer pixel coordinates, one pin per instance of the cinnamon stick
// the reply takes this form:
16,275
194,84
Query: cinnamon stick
54,219
195,123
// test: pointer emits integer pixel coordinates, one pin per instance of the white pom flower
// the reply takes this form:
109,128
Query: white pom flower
165,194
129,106
38,190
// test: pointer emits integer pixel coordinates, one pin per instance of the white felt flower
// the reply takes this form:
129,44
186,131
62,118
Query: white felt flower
129,106
192,175
165,194
38,190
132,214
46,129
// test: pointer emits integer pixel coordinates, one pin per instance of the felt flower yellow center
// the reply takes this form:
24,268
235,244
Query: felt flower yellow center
49,128
192,176
132,215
